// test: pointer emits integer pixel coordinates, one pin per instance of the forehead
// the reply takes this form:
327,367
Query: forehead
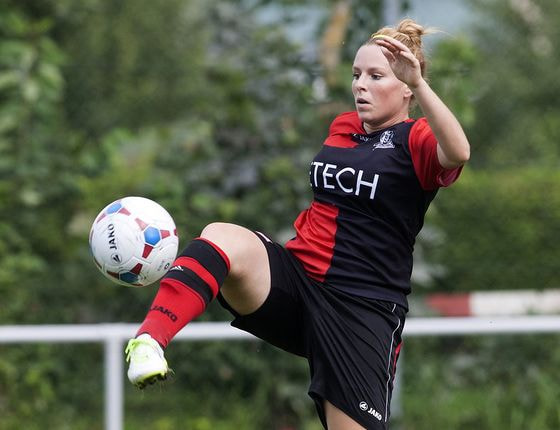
370,56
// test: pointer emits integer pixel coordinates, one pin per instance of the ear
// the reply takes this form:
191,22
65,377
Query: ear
407,92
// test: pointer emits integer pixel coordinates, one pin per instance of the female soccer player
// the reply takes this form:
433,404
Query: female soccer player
336,293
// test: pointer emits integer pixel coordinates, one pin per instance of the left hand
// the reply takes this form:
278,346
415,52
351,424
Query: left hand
404,64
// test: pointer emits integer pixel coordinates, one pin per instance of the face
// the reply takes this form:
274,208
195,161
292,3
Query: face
381,99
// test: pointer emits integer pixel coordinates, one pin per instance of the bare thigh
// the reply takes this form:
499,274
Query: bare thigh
248,282
338,420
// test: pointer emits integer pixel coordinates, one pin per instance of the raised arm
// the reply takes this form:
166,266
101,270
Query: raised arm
453,147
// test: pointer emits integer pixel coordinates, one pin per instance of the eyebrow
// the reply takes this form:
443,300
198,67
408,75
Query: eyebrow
370,69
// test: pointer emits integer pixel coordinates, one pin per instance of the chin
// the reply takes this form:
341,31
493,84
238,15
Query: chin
366,117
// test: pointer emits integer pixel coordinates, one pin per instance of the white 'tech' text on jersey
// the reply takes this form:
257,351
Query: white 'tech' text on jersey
346,179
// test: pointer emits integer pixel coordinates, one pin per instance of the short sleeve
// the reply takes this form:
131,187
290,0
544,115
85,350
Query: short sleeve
341,129
423,150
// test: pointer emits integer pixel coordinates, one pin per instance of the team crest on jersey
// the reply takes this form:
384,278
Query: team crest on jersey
385,140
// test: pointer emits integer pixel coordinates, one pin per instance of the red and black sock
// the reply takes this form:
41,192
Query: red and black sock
192,282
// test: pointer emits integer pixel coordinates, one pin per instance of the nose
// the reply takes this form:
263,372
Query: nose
360,83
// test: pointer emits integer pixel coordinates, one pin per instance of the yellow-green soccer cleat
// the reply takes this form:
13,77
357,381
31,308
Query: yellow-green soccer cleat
146,361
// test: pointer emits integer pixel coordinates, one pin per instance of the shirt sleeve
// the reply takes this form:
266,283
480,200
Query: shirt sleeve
342,128
423,150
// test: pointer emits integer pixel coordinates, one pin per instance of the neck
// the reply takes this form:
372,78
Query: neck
373,128
388,121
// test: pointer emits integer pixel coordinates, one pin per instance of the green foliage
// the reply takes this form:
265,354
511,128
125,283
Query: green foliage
517,75
35,379
37,188
132,66
449,73
498,230
482,382
101,100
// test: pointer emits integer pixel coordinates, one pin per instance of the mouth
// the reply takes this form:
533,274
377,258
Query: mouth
361,101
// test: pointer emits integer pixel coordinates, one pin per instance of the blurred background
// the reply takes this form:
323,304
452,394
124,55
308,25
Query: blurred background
214,108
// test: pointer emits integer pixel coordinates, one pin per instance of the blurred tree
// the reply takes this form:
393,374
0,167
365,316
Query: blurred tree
36,167
486,382
180,102
506,195
514,220
517,81
37,195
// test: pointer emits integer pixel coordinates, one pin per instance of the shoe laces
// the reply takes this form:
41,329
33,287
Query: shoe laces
134,344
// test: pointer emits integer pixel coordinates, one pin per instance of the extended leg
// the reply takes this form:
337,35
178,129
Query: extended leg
222,250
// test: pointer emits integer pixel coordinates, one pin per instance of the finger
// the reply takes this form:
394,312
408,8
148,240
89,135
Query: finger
406,55
388,54
384,40
388,47
389,51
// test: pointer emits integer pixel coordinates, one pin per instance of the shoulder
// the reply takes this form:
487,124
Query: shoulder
343,127
420,129
346,123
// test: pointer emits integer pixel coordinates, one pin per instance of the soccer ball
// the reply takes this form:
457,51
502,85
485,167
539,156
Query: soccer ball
133,241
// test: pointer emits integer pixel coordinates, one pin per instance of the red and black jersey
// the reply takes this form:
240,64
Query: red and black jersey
371,192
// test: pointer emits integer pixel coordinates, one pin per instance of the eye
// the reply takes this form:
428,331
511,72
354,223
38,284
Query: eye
375,77
355,75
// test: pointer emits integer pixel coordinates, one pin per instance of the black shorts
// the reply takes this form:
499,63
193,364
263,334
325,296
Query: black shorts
351,343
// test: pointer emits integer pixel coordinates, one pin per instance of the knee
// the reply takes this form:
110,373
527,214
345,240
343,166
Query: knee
235,241
217,232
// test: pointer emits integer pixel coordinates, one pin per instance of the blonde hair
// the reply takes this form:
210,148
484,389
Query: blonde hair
409,33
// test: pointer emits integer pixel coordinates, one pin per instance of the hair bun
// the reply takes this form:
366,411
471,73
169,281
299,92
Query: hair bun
410,33
412,30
